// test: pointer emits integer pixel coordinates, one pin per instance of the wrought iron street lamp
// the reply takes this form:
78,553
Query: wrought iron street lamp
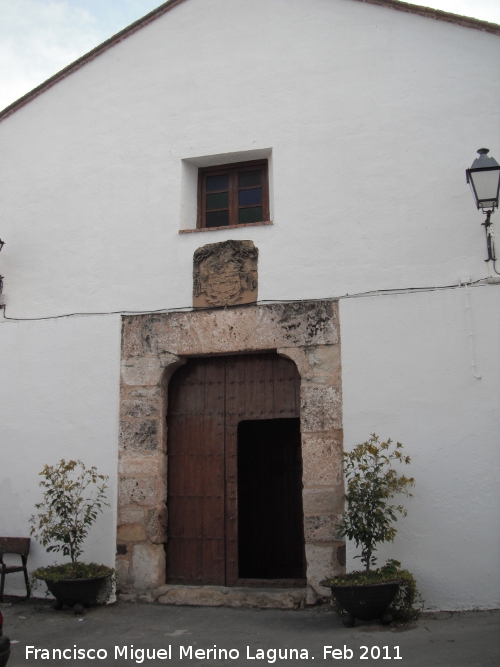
484,179
2,243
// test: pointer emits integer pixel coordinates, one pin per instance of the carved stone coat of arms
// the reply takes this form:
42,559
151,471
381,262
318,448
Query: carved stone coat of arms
225,274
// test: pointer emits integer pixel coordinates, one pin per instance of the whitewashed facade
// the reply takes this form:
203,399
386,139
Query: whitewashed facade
369,118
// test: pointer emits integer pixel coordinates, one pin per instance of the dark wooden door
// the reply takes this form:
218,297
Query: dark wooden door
208,398
195,437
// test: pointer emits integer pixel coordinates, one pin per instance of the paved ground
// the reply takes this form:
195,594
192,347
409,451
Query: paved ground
446,640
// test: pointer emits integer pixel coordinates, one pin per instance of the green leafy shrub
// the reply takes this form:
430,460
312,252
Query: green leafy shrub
69,507
72,571
371,481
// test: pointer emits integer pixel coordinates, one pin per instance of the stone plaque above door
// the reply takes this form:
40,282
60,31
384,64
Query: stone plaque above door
225,274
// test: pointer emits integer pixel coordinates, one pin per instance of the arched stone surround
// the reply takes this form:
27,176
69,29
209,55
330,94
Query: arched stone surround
153,347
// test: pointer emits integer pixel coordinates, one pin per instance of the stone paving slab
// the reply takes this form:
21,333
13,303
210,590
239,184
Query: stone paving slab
250,636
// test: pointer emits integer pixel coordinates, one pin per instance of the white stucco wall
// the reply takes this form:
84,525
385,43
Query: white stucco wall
407,375
58,399
370,117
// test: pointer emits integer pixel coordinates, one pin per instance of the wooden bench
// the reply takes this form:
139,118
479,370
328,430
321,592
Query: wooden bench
21,547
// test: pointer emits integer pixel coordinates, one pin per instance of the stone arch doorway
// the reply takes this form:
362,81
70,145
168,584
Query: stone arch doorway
234,490
154,346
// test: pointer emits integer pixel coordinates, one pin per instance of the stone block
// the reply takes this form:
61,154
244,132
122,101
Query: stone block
144,491
262,327
144,392
169,360
321,528
161,590
156,524
122,573
150,464
148,566
137,338
145,371
132,344
307,323
140,435
321,408
129,514
131,532
322,460
319,364
322,501
322,563
141,408
325,364
311,596
220,596
298,356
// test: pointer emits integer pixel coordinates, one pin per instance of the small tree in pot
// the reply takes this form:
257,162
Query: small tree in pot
371,482
72,498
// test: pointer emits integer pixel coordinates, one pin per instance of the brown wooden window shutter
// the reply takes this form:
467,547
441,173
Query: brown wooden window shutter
233,194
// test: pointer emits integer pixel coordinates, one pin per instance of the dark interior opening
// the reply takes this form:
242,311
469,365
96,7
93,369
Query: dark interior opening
270,516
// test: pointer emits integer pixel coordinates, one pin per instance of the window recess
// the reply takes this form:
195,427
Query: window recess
233,194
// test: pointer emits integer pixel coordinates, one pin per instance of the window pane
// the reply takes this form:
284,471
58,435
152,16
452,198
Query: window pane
486,184
219,182
220,200
217,219
249,197
248,178
253,214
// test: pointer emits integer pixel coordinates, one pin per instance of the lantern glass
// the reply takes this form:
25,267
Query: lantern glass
485,185
484,177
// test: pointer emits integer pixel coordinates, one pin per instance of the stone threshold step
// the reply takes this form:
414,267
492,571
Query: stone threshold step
224,596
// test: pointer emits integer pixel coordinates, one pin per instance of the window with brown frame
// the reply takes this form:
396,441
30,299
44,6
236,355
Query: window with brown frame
233,194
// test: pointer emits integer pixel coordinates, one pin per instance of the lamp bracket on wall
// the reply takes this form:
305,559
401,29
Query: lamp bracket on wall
484,179
2,296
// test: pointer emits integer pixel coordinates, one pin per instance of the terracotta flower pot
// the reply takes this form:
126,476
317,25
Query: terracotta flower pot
366,602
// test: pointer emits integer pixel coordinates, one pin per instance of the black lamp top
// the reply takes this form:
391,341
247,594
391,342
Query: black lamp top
484,161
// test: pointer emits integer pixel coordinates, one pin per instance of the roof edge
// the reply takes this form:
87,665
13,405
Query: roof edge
437,14
89,56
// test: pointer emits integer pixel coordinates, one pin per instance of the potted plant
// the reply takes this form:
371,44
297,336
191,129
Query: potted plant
73,495
4,645
371,482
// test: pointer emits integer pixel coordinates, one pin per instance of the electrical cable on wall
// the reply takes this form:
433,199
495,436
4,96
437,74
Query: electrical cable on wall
359,295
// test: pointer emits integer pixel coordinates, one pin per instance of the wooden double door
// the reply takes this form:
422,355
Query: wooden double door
234,472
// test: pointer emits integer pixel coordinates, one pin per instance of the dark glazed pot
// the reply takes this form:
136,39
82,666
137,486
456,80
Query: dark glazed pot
4,650
77,591
368,601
